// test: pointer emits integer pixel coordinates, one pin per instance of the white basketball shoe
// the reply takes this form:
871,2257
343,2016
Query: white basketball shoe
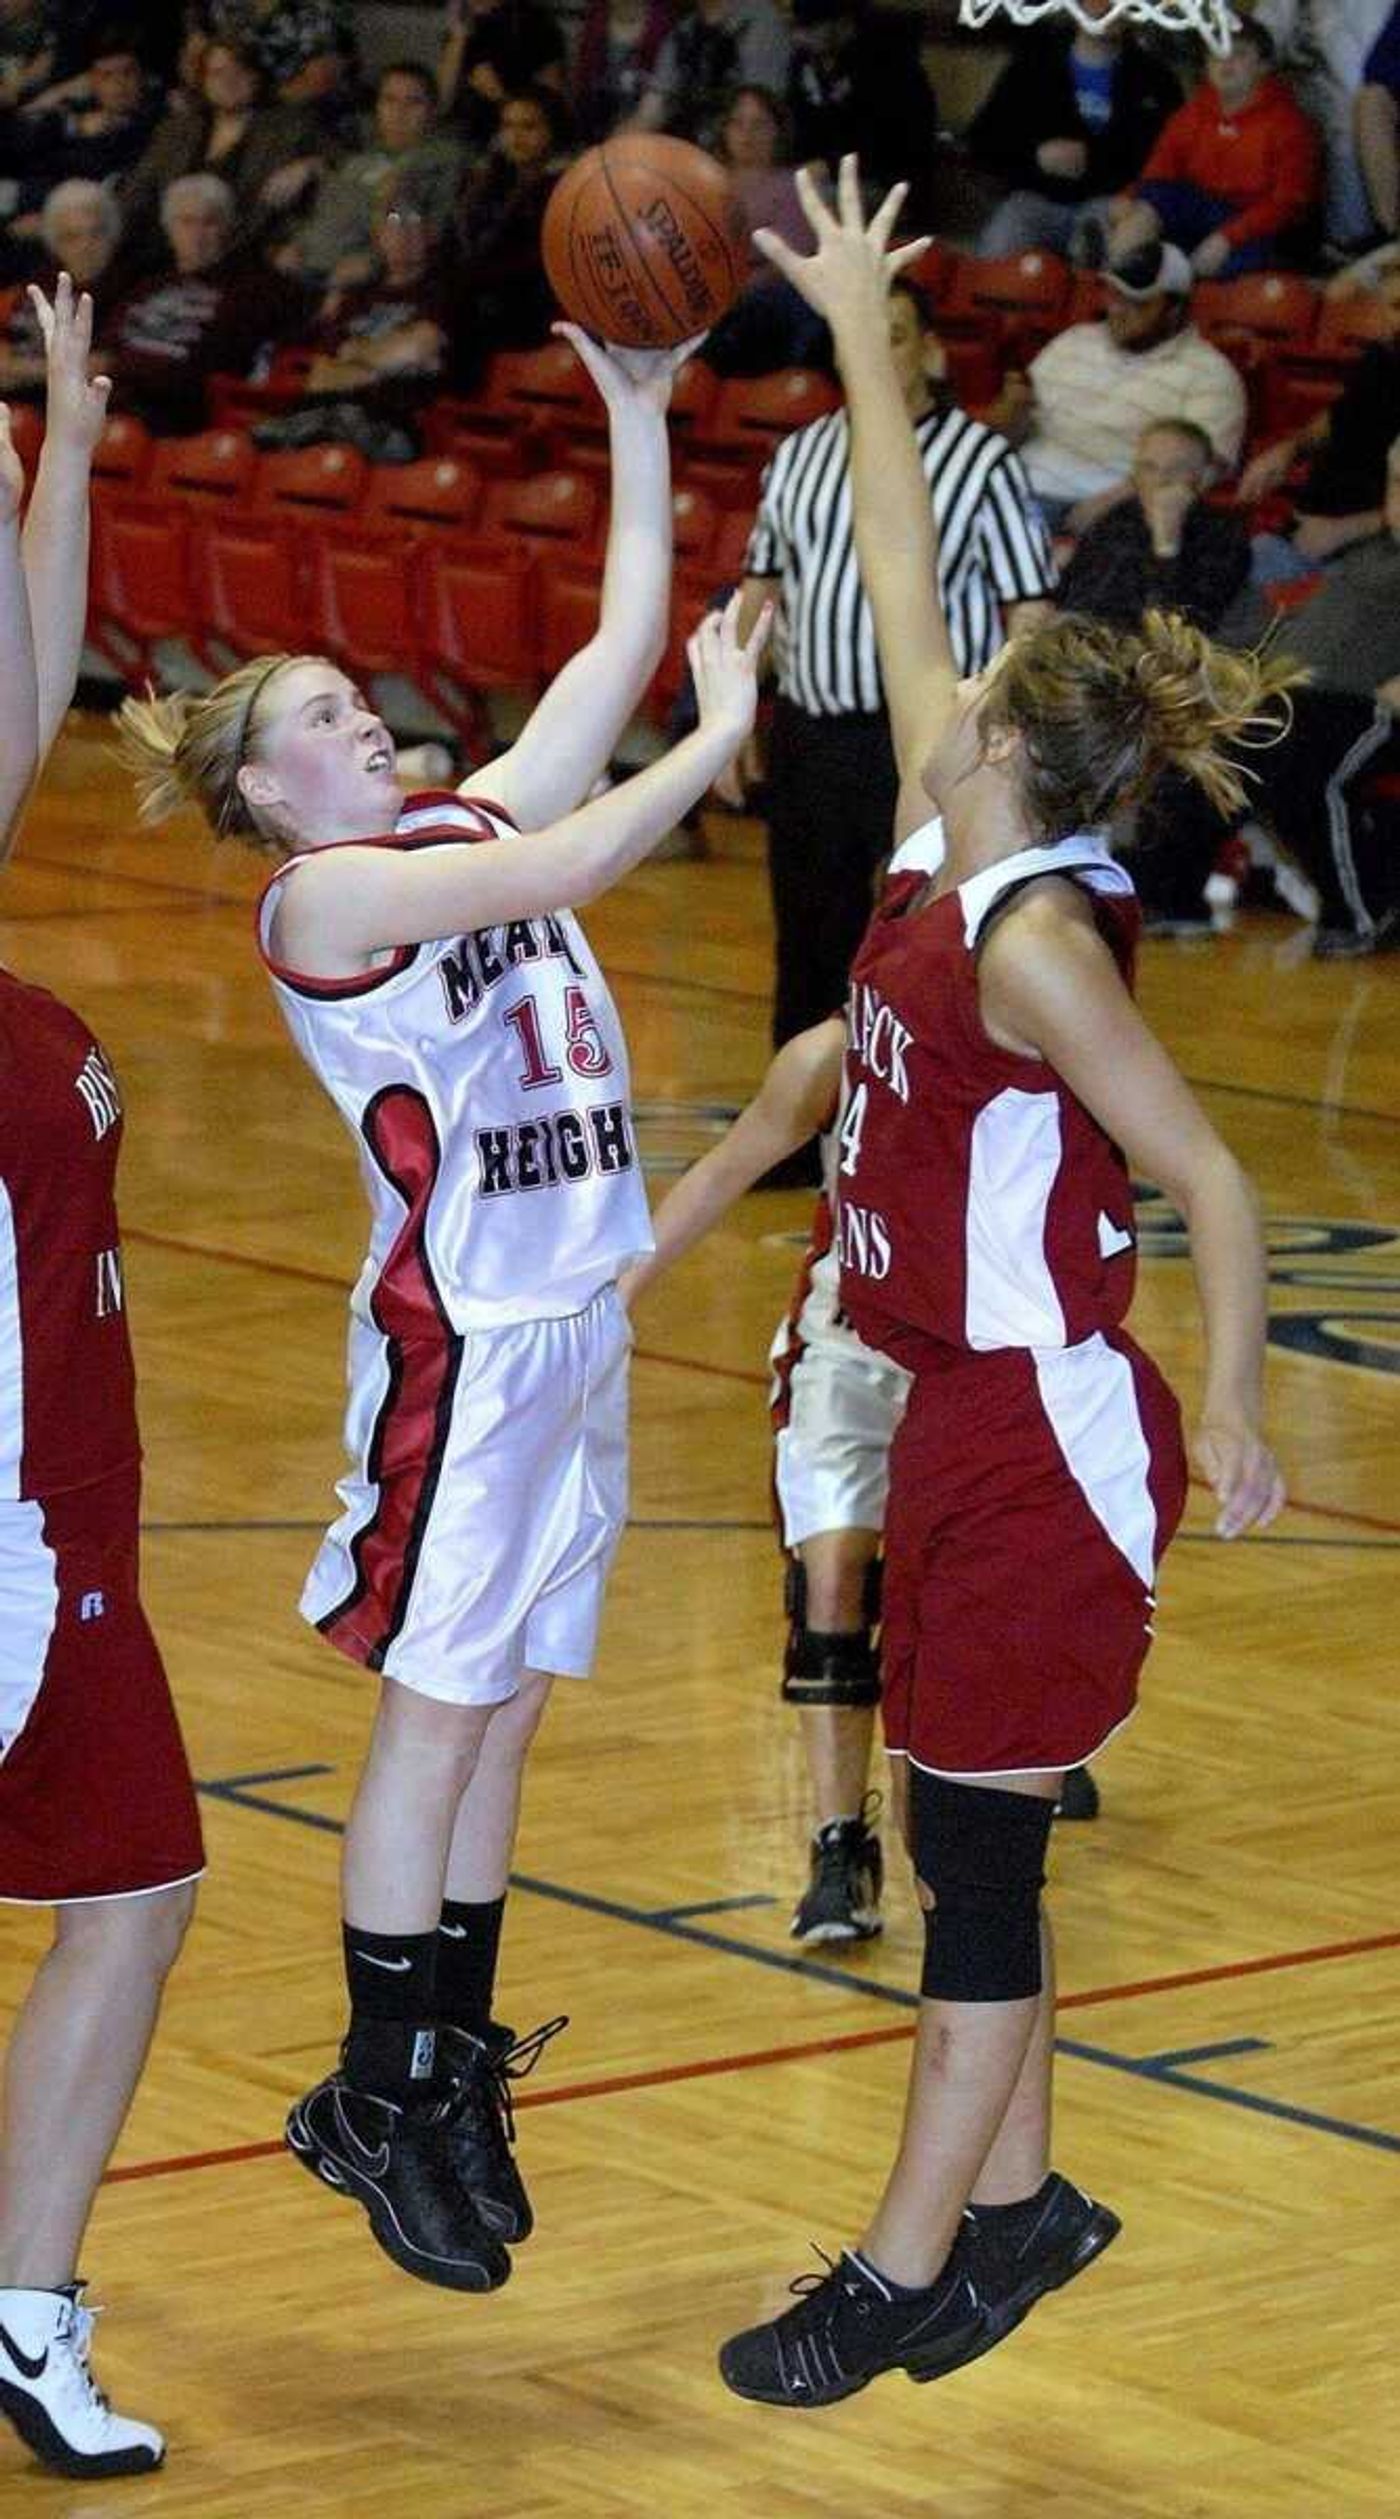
49,2393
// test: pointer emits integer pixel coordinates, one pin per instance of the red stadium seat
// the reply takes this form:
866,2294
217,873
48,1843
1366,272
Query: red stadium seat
548,383
553,508
731,544
1264,306
479,622
1087,299
26,434
122,455
141,586
496,438
693,396
935,272
248,578
218,464
1011,287
753,412
1350,321
694,524
328,478
440,492
568,595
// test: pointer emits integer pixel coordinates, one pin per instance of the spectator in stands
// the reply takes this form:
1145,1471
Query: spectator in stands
208,311
504,301
858,83
382,347
1067,126
1235,178
1164,547
1321,788
493,49
1342,499
264,152
770,326
96,124
29,49
1322,47
333,246
1378,125
715,46
1079,413
618,45
305,49
80,227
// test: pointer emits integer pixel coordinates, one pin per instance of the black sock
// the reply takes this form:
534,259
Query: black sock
390,2046
468,1948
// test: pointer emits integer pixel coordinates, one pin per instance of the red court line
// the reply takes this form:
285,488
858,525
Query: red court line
706,2067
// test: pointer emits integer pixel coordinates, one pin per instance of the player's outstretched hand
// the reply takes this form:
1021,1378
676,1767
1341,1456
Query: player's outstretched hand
76,403
643,378
1242,1470
11,472
725,669
847,278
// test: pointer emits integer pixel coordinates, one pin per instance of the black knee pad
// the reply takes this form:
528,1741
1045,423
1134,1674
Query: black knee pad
826,1670
982,1854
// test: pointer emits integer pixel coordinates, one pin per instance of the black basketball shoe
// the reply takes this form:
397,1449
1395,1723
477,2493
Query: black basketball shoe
397,2162
481,2133
1015,2255
847,2329
1079,1795
841,1902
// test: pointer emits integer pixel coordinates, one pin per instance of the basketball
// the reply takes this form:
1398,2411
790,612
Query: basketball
644,242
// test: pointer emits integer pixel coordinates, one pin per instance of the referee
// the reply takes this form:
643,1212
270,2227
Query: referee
831,774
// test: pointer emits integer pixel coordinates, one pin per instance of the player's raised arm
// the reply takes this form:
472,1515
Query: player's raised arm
56,527
19,704
573,731
794,1101
847,280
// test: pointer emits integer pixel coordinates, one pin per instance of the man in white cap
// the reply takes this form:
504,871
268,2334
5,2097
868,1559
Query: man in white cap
1078,414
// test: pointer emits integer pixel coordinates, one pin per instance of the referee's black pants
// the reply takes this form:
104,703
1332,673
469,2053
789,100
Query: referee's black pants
832,787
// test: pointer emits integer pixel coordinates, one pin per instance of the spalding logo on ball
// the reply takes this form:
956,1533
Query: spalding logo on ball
644,242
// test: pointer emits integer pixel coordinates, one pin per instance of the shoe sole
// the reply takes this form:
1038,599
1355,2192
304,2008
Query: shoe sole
1099,2232
467,2274
48,2444
964,2345
858,1929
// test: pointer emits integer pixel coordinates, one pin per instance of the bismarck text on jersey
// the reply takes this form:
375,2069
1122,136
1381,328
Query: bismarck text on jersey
480,961
878,1038
562,1146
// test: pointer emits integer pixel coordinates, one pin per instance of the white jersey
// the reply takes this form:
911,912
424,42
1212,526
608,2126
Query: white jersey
484,1080
815,1318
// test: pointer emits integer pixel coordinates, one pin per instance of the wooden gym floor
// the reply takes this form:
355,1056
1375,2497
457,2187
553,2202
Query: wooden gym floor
1230,1947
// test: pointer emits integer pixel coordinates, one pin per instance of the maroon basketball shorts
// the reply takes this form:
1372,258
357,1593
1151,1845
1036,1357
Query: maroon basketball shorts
96,1799
1031,1497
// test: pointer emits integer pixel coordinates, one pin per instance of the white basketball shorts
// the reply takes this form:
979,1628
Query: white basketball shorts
487,1494
835,1420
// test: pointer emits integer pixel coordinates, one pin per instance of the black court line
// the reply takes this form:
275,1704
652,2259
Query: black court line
1163,2068
1151,2068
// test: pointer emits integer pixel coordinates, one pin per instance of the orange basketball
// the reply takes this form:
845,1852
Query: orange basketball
644,242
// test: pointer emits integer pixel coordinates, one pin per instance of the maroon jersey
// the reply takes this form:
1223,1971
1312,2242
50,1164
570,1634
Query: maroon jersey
981,1206
67,1399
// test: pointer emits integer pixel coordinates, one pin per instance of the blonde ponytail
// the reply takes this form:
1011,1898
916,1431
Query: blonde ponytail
1102,712
185,747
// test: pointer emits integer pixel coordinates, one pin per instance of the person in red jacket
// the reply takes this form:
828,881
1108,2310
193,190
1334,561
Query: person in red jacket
1235,178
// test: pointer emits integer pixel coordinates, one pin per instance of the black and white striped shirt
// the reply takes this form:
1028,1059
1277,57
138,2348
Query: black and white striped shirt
993,551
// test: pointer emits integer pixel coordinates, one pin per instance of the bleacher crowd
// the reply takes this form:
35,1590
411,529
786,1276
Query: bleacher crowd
1171,282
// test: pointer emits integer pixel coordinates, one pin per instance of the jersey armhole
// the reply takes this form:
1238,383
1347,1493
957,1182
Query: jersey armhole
309,983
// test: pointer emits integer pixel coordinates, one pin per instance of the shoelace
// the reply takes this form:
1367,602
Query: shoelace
520,2060
805,2287
74,2336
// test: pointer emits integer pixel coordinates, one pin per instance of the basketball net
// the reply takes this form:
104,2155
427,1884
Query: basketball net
1213,20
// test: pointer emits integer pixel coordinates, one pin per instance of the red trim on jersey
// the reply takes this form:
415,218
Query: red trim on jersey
410,1432
307,983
